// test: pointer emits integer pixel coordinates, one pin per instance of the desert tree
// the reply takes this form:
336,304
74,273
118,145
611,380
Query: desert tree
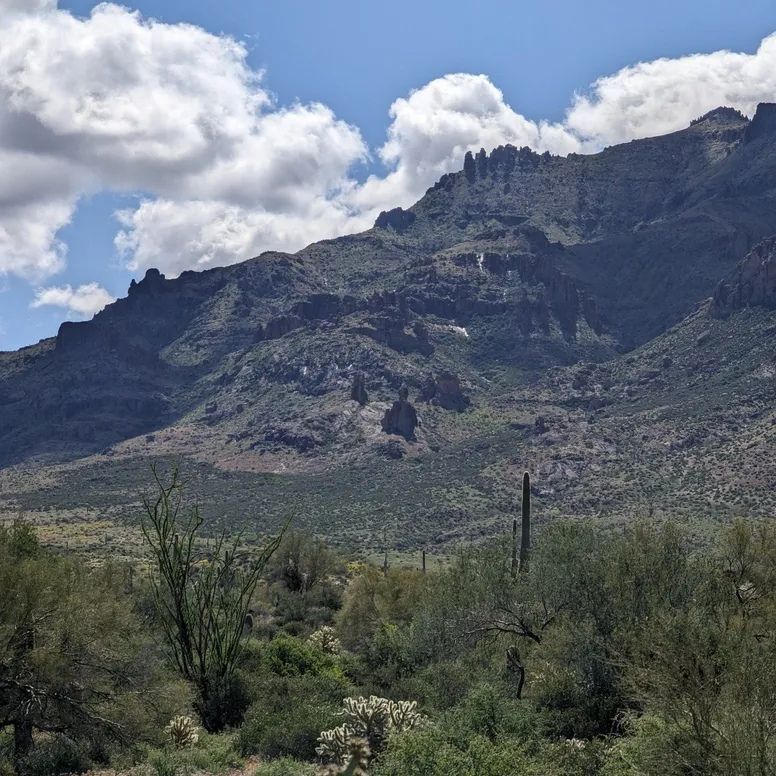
76,662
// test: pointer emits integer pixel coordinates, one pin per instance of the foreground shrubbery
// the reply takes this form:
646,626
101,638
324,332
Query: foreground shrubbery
619,654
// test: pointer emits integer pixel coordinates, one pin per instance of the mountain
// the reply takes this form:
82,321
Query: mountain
586,316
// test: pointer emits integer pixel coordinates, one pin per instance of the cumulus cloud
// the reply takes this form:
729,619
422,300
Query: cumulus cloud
653,98
201,234
436,125
118,102
83,301
26,6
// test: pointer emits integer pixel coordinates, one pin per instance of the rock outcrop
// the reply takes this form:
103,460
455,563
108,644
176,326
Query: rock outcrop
445,391
397,219
358,389
401,418
752,284
763,122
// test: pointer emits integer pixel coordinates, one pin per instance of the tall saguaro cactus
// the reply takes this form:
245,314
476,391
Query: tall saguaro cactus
514,546
525,527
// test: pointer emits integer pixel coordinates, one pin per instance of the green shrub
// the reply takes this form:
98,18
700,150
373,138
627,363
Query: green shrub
55,755
289,714
165,762
212,754
422,753
489,713
285,766
431,753
289,656
374,599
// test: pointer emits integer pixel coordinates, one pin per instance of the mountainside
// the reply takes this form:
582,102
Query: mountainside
542,311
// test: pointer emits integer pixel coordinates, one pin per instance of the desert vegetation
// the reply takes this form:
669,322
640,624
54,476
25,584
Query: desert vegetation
574,651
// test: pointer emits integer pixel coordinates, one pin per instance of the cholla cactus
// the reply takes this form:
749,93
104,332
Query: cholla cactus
367,719
333,744
404,715
358,756
182,732
325,638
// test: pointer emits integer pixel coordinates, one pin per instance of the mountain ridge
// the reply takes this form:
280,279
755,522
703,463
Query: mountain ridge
496,286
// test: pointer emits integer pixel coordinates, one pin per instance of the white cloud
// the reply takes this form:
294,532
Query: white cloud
652,98
202,234
432,129
28,243
83,301
26,6
117,102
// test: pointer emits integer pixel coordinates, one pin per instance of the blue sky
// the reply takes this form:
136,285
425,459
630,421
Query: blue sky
356,58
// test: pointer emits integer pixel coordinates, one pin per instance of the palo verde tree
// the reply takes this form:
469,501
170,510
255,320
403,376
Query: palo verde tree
76,663
202,598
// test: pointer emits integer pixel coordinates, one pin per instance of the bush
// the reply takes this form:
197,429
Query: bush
211,754
488,713
286,766
53,756
422,753
374,599
289,714
432,753
288,656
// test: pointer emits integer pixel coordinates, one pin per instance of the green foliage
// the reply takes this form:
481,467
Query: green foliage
289,713
202,601
432,753
210,754
302,562
488,713
289,656
374,599
286,766
74,657
630,654
55,755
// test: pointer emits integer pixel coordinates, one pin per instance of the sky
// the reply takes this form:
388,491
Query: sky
187,134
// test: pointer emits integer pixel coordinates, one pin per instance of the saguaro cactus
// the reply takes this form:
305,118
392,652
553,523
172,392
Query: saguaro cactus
514,545
525,527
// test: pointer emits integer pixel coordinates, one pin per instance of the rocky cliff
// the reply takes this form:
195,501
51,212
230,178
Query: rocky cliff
753,283
518,266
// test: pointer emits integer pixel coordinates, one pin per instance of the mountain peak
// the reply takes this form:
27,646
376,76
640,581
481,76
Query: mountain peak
763,122
721,115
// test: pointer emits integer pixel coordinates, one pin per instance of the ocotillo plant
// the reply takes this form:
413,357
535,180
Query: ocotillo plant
525,532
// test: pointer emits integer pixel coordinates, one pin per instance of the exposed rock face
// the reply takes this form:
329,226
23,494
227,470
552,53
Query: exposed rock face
763,121
520,260
752,284
401,418
397,219
445,391
358,389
